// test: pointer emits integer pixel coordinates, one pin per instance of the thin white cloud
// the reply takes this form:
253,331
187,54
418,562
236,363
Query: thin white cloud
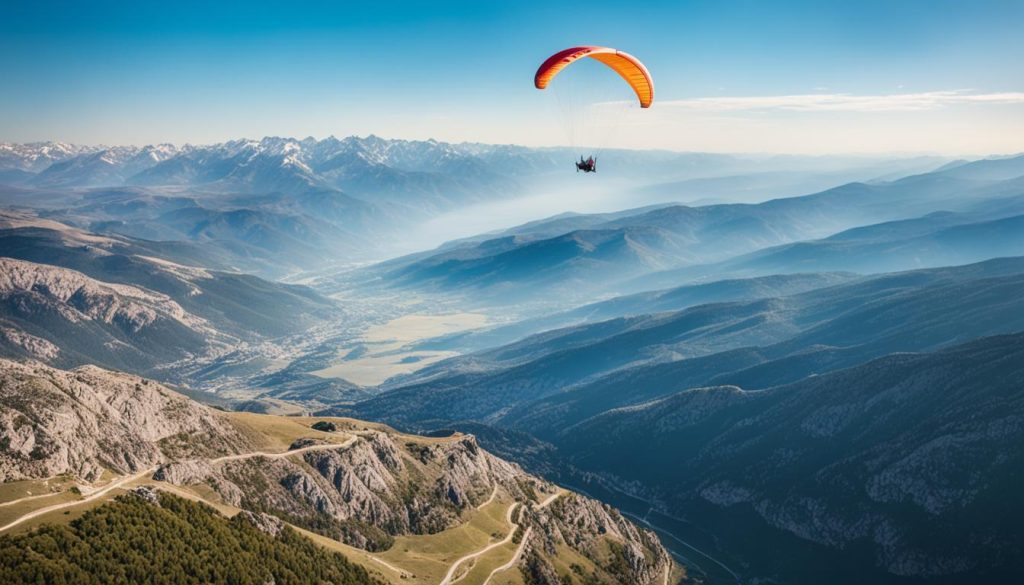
839,102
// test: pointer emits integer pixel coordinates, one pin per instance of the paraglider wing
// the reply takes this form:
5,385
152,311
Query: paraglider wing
627,66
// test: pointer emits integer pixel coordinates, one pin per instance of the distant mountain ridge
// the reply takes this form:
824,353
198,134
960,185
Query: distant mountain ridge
71,297
266,164
553,379
906,462
343,162
578,257
989,228
275,205
336,202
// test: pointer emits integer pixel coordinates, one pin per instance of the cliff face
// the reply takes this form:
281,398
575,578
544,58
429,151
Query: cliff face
61,316
597,531
143,306
86,298
360,492
83,421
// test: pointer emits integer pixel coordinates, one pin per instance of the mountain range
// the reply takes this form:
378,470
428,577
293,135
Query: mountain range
731,360
579,257
907,462
73,297
579,389
751,343
278,206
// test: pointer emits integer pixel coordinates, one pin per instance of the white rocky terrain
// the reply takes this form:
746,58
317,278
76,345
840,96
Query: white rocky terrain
84,421
376,482
37,156
130,304
61,315
79,297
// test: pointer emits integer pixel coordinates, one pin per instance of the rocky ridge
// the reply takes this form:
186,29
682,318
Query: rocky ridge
80,297
365,492
86,420
909,459
581,524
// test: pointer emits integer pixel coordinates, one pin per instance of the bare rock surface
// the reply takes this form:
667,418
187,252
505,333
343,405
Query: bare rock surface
271,525
82,297
86,420
374,484
590,527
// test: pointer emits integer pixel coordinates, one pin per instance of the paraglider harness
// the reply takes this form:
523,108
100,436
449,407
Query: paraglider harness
587,166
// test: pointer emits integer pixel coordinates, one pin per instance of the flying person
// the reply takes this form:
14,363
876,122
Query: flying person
628,67
587,166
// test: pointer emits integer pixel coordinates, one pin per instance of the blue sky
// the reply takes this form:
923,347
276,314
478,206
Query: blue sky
864,76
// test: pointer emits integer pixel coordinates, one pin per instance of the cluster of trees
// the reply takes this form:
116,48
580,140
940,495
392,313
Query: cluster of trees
178,542
325,426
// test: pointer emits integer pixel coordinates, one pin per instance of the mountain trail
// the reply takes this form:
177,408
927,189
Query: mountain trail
448,580
490,499
278,455
519,550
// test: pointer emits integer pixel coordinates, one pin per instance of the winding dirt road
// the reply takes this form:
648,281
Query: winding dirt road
519,551
494,493
515,558
512,532
282,454
28,498
96,494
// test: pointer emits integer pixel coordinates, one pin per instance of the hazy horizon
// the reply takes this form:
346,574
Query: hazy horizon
736,77
881,154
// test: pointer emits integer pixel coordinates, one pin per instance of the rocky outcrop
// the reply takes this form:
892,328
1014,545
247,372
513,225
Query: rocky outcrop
65,318
35,347
539,569
146,494
86,420
81,297
371,485
271,525
591,528
184,472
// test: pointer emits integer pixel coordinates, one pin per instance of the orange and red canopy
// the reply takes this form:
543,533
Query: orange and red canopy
626,65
